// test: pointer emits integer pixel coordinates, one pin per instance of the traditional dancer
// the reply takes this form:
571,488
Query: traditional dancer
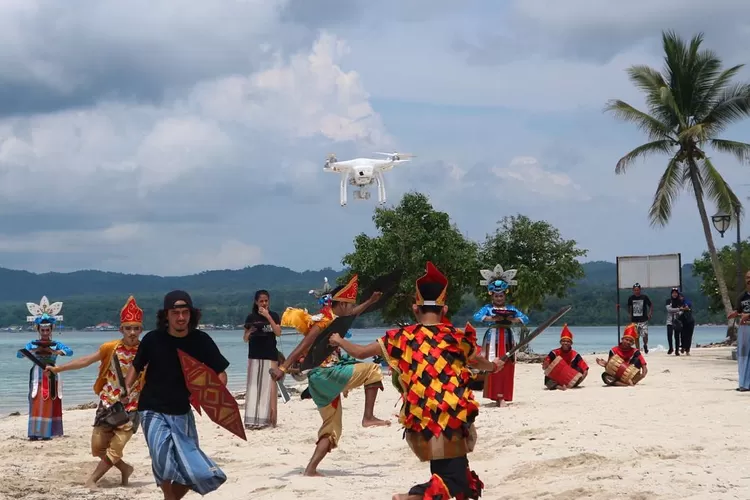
45,388
568,357
116,418
742,309
334,376
177,462
499,338
262,326
626,365
439,409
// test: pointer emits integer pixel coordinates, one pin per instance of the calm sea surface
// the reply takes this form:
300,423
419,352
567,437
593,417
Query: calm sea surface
77,385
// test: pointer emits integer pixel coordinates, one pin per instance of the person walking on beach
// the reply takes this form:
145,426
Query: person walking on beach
177,462
640,310
674,326
333,376
45,389
742,309
262,326
116,418
438,408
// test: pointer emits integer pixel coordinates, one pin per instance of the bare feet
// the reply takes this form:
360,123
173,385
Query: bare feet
375,422
90,484
405,496
126,471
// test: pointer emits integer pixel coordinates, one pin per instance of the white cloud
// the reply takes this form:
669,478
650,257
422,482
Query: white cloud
526,173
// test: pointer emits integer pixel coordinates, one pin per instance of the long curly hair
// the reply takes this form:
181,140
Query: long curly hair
162,322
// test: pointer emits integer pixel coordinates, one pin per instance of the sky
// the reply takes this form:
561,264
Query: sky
169,138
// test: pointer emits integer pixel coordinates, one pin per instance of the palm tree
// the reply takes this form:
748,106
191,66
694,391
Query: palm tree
689,104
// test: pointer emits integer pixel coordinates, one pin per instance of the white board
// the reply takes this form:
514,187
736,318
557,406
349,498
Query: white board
651,271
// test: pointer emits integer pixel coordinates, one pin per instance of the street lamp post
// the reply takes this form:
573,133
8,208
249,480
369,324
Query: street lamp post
721,222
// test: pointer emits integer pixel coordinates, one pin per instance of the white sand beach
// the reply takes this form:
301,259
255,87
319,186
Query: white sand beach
682,434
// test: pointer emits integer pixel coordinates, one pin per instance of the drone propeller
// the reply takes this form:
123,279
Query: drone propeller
396,156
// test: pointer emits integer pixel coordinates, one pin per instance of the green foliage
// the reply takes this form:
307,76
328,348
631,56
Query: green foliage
412,233
547,264
703,269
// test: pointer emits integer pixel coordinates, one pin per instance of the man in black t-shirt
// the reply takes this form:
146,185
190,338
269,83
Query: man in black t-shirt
164,406
640,310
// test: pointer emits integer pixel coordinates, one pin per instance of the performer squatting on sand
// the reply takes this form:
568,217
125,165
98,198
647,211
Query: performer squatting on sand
177,461
567,357
116,418
626,365
430,360
45,389
334,375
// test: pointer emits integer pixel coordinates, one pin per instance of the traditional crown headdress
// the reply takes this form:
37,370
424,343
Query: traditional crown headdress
323,294
431,287
498,280
44,311
131,314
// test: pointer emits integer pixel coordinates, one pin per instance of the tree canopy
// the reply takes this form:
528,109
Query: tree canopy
547,264
703,269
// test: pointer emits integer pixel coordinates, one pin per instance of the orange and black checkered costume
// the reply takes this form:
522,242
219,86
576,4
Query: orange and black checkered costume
438,408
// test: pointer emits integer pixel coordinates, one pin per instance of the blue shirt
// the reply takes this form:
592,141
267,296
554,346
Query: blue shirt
487,311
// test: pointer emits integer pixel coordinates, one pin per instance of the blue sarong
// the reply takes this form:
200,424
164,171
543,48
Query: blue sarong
743,356
175,456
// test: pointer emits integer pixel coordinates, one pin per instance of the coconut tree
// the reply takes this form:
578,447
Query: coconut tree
690,102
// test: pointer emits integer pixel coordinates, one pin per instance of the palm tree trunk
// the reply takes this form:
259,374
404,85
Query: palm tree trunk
718,272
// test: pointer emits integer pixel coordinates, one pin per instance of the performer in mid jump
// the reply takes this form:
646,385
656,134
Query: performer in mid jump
499,338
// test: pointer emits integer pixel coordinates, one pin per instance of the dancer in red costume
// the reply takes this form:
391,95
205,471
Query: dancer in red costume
567,355
431,363
499,338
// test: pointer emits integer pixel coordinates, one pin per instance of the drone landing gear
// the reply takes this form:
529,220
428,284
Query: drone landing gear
381,187
342,190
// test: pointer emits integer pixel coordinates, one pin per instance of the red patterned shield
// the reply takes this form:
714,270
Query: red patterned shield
207,391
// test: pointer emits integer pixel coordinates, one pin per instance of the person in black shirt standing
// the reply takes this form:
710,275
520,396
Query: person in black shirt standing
640,310
261,329
177,462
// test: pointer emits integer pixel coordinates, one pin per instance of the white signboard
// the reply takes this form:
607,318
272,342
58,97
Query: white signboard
651,271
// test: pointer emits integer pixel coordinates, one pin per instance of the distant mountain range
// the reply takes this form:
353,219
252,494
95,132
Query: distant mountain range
92,297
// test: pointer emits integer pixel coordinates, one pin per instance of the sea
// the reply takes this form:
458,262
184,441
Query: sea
77,385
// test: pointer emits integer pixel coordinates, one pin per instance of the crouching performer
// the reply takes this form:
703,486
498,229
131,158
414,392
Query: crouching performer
626,365
564,368
430,360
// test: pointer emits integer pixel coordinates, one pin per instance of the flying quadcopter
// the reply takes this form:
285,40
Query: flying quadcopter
363,172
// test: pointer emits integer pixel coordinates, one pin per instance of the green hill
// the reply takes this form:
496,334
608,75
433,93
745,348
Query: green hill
92,297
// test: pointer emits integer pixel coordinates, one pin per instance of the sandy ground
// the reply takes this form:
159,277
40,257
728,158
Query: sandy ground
683,434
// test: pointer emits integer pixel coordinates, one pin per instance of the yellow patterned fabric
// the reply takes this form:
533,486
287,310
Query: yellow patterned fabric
110,389
431,363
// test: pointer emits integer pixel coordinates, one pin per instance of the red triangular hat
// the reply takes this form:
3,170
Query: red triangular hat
631,331
131,314
438,294
566,333
348,292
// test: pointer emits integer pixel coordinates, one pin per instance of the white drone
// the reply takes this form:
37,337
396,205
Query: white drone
362,172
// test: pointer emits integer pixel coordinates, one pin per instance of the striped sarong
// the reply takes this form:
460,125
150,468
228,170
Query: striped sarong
175,456
261,396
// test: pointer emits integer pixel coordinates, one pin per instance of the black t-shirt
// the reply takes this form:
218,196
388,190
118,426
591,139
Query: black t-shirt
262,342
164,390
743,303
640,306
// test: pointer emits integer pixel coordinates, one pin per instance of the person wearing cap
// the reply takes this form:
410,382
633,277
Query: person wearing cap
640,310
438,406
107,440
499,338
674,325
334,375
629,354
568,355
178,464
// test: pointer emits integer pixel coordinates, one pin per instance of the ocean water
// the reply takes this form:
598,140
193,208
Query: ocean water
77,385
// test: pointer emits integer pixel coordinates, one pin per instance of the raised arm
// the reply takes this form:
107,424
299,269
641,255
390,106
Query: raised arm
77,364
355,350
360,308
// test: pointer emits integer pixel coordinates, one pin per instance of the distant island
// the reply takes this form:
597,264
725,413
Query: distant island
93,298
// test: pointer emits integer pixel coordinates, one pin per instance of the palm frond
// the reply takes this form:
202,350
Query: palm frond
660,146
667,191
697,132
733,104
711,95
651,82
654,128
717,189
668,101
740,150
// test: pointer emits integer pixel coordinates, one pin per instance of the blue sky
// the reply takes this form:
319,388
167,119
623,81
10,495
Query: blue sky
166,138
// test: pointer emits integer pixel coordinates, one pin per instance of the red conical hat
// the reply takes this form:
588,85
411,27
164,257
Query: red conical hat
432,287
131,314
631,331
566,333
348,293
